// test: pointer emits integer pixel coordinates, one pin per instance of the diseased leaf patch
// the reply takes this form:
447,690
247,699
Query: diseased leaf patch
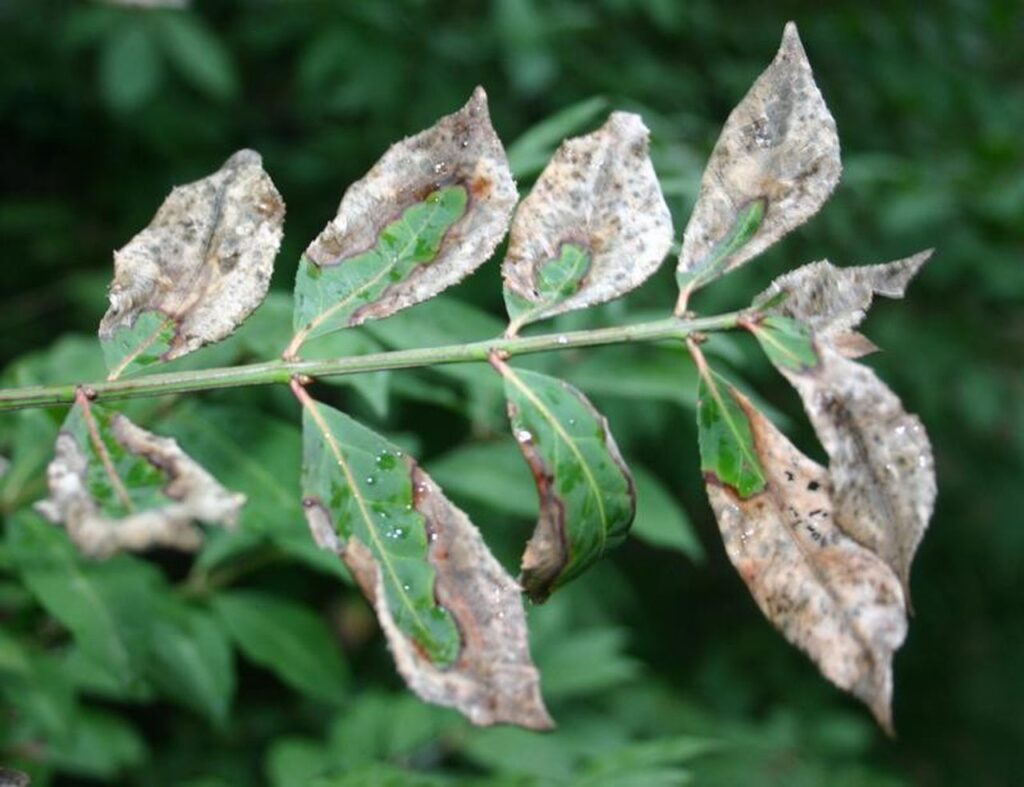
117,487
429,212
829,596
594,227
365,483
557,279
453,617
774,165
726,442
326,298
197,271
586,493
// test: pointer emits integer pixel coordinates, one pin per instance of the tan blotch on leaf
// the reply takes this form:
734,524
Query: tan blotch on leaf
599,193
780,147
828,595
192,494
494,680
880,459
462,149
204,261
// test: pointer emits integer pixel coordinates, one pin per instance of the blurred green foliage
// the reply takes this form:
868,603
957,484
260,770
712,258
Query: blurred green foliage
226,670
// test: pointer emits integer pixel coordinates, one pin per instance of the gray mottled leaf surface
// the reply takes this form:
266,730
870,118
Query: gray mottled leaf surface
827,594
594,227
198,270
429,212
774,165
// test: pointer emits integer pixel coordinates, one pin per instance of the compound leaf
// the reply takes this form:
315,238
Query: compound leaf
774,165
427,214
828,595
586,493
197,271
452,615
116,486
594,227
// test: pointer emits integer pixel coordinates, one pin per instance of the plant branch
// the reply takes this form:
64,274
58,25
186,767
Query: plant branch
281,372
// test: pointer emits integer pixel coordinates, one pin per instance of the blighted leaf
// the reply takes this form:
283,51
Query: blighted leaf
773,167
727,452
594,226
587,497
828,595
453,617
12,778
832,301
198,270
116,486
427,214
880,459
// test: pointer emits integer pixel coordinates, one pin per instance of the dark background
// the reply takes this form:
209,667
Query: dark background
104,109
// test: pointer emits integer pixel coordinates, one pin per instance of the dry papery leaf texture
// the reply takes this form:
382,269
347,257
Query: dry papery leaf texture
774,165
494,679
163,518
599,196
201,267
880,459
827,594
461,150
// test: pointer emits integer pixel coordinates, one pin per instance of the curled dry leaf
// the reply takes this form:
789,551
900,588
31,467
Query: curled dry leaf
12,778
594,227
832,301
828,595
428,213
586,492
774,165
198,270
453,617
116,487
880,458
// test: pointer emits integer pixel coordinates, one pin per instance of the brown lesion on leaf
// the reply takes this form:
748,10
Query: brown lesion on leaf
192,494
828,595
204,261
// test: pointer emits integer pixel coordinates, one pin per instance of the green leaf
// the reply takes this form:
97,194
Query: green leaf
197,54
587,500
101,746
788,343
431,210
190,661
490,474
293,762
727,449
130,67
555,280
366,484
287,639
660,520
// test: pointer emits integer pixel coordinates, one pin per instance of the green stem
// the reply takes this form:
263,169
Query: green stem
281,372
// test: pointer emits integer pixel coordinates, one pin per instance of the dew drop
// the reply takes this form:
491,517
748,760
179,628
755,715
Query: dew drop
563,339
370,480
523,435
440,167
572,422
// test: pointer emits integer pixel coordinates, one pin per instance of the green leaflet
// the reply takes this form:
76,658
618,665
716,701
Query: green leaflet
554,281
788,343
140,345
587,499
327,297
744,227
726,442
365,484
126,482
